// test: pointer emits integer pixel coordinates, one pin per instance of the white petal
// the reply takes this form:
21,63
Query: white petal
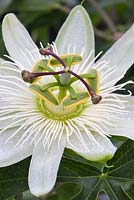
18,42
6,120
14,98
1,61
8,71
11,153
44,167
4,63
120,54
76,32
101,150
12,81
125,126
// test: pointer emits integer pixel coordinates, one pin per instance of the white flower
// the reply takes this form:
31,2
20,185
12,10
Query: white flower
30,125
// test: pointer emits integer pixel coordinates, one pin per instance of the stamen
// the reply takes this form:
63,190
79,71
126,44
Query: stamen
49,51
29,76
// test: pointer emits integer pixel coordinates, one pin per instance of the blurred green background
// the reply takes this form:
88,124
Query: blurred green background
43,18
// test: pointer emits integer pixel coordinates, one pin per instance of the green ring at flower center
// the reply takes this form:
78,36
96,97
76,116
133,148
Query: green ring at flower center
58,112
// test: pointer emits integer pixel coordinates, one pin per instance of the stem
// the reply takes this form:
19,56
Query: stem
62,92
82,2
43,198
63,8
104,16
102,34
19,196
72,92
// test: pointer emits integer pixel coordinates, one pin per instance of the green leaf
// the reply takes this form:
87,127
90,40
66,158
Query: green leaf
111,179
40,5
78,178
28,196
13,179
65,191
128,188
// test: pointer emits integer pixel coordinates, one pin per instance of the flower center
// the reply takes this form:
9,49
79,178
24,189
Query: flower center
59,99
58,112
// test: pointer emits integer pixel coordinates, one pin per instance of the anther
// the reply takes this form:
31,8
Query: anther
27,76
96,99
